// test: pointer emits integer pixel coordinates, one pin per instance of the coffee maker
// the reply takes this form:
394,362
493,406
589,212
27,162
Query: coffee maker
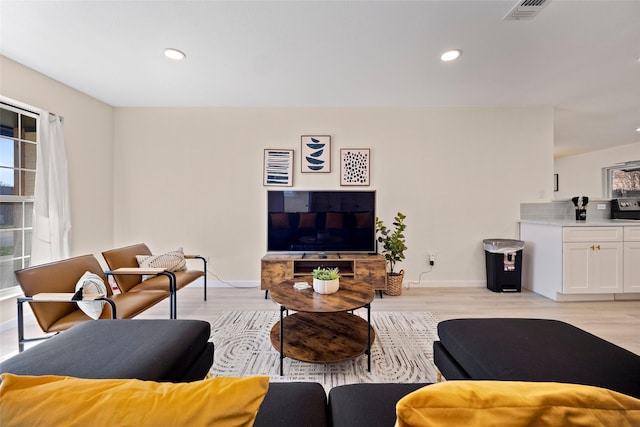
580,203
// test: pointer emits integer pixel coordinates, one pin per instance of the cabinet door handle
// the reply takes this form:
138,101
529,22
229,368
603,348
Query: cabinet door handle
593,248
598,247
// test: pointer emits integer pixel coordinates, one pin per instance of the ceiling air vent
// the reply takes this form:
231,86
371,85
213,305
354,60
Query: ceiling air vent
526,9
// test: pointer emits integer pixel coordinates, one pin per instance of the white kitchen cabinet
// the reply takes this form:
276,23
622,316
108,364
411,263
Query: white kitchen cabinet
592,260
593,267
631,259
567,262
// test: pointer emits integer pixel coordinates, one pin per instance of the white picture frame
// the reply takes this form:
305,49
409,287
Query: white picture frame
355,165
315,153
278,167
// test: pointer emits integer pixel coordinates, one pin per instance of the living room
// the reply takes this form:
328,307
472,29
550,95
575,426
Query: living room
190,173
458,173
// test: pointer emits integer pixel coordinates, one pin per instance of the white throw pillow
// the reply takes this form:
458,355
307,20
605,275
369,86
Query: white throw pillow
91,284
172,261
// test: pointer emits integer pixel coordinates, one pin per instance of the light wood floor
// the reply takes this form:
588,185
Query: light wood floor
615,321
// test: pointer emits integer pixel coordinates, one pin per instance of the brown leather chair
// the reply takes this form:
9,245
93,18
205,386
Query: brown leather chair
61,277
125,257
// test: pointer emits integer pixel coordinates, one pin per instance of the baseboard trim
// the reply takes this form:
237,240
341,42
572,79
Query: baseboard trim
12,323
423,284
446,284
627,297
199,283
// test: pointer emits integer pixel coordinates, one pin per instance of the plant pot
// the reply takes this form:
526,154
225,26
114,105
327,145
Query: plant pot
326,286
394,283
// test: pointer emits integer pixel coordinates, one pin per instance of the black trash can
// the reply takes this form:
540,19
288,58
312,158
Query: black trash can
504,264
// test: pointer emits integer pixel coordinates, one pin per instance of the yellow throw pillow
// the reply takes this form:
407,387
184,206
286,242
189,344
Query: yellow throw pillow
334,220
516,404
65,401
280,220
307,220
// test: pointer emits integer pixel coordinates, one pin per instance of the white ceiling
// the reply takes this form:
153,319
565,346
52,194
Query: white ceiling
581,57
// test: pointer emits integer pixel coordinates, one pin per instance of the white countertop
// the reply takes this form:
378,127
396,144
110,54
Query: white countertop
587,223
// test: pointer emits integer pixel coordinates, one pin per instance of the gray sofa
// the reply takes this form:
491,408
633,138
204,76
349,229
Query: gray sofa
491,349
180,351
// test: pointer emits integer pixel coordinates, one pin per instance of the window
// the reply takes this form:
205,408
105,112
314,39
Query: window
622,180
18,138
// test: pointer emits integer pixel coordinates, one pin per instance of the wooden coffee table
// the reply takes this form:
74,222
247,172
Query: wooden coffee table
322,330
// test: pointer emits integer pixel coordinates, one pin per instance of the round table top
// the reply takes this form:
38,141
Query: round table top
352,294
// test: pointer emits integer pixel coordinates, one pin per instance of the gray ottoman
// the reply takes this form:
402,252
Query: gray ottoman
533,350
155,350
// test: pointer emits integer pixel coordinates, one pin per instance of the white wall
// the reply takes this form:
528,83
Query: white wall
192,177
581,175
88,125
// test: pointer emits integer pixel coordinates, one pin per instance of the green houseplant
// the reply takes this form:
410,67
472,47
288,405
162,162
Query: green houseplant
326,280
324,273
393,248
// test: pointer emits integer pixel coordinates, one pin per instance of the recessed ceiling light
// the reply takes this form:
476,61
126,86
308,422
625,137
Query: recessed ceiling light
174,54
638,130
450,55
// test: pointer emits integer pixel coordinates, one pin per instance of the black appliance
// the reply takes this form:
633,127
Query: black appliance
625,208
321,221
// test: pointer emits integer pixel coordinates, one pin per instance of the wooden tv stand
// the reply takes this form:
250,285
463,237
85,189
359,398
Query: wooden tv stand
276,268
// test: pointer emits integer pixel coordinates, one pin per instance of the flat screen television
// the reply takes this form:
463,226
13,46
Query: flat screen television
321,221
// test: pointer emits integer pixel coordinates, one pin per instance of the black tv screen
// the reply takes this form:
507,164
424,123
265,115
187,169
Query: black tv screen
321,221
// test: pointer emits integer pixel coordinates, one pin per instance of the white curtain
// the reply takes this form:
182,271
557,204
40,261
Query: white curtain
52,216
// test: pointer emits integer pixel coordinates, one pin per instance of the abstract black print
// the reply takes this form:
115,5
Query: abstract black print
354,166
315,153
278,167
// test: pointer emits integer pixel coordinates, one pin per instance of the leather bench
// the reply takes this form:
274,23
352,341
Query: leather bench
60,277
125,257
154,349
533,350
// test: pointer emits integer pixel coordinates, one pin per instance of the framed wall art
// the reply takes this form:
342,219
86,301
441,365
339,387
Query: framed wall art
278,167
315,153
354,166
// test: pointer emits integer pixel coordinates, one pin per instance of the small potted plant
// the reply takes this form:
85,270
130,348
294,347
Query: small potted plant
326,280
393,247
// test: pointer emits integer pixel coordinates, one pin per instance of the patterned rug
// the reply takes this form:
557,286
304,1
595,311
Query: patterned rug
402,350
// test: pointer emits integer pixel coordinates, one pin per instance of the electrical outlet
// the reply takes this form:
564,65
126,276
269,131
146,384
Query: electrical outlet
601,206
432,259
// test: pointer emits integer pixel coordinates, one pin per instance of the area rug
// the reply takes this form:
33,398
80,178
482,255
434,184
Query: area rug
401,353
